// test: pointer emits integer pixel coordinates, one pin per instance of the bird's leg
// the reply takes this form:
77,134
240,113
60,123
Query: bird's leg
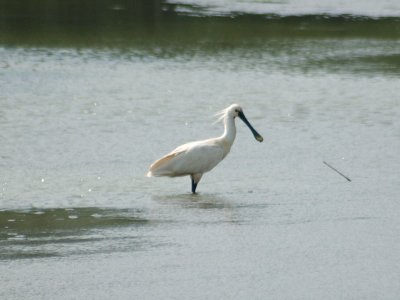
195,180
194,185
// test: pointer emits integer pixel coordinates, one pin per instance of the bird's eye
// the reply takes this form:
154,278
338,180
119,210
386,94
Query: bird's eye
236,110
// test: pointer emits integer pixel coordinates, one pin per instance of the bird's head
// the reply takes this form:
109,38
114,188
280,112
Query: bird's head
236,110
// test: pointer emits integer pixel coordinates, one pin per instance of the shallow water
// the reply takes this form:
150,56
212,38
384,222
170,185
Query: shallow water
82,120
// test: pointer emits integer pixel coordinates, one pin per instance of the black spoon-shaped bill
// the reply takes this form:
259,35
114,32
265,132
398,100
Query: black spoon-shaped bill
257,136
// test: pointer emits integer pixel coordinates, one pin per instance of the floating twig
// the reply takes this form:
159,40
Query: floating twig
348,179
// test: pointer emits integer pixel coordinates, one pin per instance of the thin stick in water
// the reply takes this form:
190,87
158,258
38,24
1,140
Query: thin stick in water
348,179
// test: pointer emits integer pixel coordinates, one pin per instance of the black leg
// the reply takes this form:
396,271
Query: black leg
194,185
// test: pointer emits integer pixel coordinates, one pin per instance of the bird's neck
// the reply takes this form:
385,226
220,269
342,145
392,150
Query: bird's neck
229,130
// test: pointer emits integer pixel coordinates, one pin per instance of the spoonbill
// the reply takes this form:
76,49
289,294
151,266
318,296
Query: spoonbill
196,158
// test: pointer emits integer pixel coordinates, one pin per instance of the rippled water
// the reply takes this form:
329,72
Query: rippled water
80,125
365,8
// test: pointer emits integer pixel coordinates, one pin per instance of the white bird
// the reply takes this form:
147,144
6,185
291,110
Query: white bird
196,158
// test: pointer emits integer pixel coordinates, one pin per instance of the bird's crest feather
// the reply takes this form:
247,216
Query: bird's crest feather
221,115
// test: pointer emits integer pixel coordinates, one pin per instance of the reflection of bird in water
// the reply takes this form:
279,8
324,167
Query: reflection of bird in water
196,158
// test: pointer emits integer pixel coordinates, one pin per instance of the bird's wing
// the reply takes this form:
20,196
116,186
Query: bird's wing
190,158
157,168
202,157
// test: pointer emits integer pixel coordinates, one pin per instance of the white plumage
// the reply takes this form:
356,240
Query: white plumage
196,158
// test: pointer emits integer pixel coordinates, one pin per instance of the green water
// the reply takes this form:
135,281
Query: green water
91,93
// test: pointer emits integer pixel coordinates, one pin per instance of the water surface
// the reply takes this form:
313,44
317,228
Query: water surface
83,114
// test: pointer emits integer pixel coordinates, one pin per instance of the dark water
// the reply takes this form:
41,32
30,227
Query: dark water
92,92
